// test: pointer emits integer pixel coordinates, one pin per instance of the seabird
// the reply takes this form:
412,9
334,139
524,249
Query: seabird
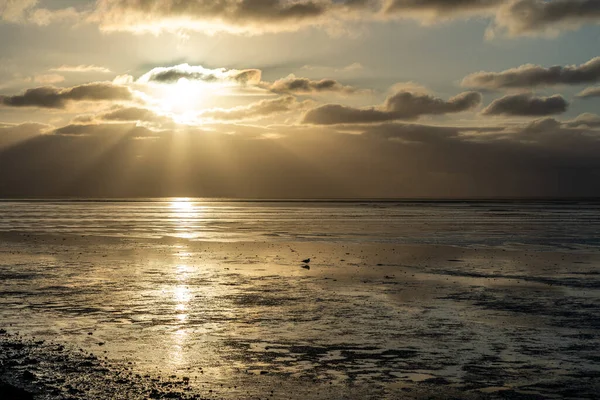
306,261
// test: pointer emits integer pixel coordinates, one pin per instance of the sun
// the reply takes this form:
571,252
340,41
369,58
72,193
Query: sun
184,99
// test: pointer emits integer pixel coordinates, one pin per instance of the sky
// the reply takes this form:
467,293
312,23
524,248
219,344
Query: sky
300,98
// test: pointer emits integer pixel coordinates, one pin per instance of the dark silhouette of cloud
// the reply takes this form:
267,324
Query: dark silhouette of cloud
533,16
199,73
513,17
527,76
288,85
586,120
11,134
439,7
53,97
525,104
296,85
542,158
254,16
403,105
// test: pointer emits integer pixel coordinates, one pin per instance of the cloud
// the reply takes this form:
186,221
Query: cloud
542,158
402,105
414,104
44,16
511,17
11,134
120,114
129,114
26,11
236,16
104,131
304,86
260,16
199,73
549,132
123,80
526,104
589,92
352,67
529,75
586,120
246,77
59,98
260,109
15,10
439,8
81,68
537,16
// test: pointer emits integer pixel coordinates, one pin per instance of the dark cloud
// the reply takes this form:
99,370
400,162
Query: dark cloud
296,85
542,158
527,76
531,16
11,134
255,16
53,97
276,10
199,73
360,4
526,104
259,109
331,114
415,104
515,17
440,7
402,105
288,85
585,121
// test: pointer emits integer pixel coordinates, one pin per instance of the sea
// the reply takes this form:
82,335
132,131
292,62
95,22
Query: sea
323,299
542,225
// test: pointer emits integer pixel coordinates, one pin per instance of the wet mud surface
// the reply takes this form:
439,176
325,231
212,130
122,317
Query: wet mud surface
236,321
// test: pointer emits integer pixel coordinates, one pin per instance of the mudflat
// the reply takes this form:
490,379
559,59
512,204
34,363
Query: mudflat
106,317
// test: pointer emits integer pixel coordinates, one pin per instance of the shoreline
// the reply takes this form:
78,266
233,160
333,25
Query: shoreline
34,369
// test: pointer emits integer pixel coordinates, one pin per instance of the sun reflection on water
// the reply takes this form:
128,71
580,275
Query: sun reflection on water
182,205
181,297
185,214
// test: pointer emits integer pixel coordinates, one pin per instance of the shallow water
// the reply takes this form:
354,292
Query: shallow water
540,225
513,307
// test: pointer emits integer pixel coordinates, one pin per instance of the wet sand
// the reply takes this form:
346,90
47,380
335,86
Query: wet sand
123,318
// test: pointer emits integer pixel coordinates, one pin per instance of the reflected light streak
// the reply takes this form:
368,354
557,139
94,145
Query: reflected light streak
181,297
185,213
182,205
